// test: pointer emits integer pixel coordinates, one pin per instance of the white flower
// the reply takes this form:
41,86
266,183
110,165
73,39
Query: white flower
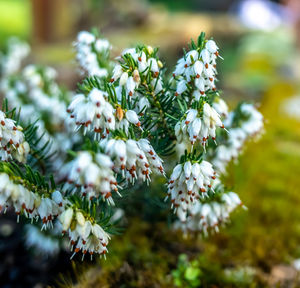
207,217
44,244
27,202
200,84
66,218
124,78
143,104
157,84
181,87
188,182
142,62
193,128
251,125
152,63
211,46
156,163
133,118
254,123
88,49
11,62
93,112
296,264
12,140
47,210
102,45
131,51
130,86
130,74
85,37
80,218
191,57
133,159
180,67
206,57
117,72
221,107
198,68
57,198
191,115
85,236
93,176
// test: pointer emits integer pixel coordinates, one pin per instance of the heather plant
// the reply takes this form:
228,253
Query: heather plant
68,158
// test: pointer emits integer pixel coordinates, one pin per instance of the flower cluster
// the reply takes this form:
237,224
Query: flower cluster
93,175
126,118
10,62
196,128
250,123
136,116
206,217
133,159
138,66
84,234
44,244
30,203
220,106
188,183
93,112
90,52
35,90
38,85
196,71
12,140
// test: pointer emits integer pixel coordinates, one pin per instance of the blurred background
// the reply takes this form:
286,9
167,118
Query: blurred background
260,43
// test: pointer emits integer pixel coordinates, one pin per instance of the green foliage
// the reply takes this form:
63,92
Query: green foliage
97,212
187,274
40,150
13,113
31,179
40,154
202,272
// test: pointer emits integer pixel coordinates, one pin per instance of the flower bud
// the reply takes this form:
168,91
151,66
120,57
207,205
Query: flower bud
191,115
205,55
211,46
119,113
117,72
123,79
66,218
150,49
132,117
57,197
181,87
153,63
176,172
80,218
198,68
130,86
187,169
136,76
191,56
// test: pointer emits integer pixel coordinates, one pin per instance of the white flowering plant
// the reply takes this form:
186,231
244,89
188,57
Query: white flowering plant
128,123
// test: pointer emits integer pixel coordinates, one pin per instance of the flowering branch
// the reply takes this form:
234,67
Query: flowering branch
126,118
